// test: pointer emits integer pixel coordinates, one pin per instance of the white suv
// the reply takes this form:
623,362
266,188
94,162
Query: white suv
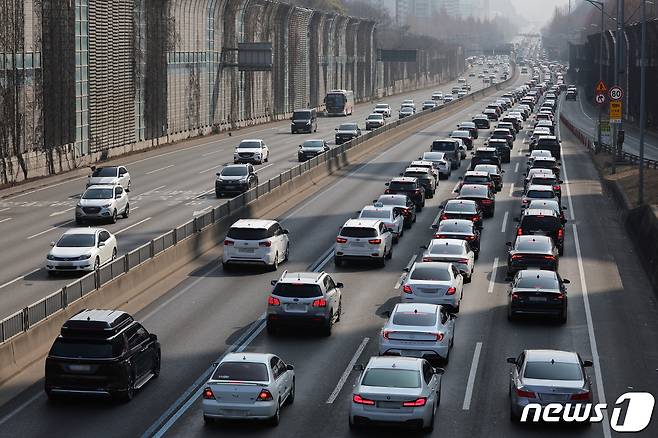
256,241
251,151
102,203
364,239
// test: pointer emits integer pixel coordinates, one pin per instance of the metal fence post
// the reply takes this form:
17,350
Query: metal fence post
126,263
97,278
26,319
64,299
175,237
151,248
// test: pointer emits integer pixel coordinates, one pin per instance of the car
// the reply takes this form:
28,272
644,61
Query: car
110,175
429,165
546,124
374,121
304,120
384,109
505,134
304,299
364,239
435,283
548,163
401,204
81,249
406,111
456,90
465,136
549,204
549,180
235,179
571,95
502,147
458,252
102,203
461,94
251,151
532,251
470,127
464,229
448,98
461,80
450,148
491,114
248,386
482,194
402,390
311,148
534,292
481,122
424,176
418,329
485,155
545,222
408,102
474,177
509,126
429,104
549,143
391,216
462,209
536,133
437,95
346,132
261,242
102,353
441,164
548,377
409,186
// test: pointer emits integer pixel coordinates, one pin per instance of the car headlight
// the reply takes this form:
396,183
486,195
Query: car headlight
50,257
308,122
106,205
84,257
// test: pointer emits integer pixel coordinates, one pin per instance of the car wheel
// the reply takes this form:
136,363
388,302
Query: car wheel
510,315
512,416
79,222
156,365
126,211
291,396
114,254
276,418
563,316
467,278
128,188
287,256
396,238
382,261
414,221
275,264
477,255
389,256
129,393
114,217
326,328
97,264
340,311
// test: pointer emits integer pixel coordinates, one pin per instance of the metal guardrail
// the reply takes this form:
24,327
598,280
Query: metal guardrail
590,143
22,320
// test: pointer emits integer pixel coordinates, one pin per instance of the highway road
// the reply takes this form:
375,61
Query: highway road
169,187
611,319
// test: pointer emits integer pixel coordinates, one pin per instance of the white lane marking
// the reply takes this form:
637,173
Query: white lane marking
502,229
201,195
511,189
582,110
19,195
158,170
153,190
57,213
264,167
25,404
133,225
516,168
207,154
572,215
50,229
198,212
492,279
5,219
471,377
19,278
215,167
348,370
4,209
404,274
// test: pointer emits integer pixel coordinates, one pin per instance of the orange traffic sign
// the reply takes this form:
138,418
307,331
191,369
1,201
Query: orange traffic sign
615,111
601,88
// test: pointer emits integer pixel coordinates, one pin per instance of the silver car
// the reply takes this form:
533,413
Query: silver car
110,175
392,218
400,390
433,283
547,376
102,203
418,330
533,192
248,385
455,251
440,162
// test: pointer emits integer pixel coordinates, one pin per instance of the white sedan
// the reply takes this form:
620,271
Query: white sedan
81,249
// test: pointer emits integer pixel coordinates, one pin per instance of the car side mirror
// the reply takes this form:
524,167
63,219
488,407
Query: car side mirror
290,367
339,285
358,367
274,282
438,370
300,146
564,208
218,174
386,184
52,243
401,174
587,363
285,231
511,360
153,337
101,244
502,171
335,129
435,226
461,177
566,281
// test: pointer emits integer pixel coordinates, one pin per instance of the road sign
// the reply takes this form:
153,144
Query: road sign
605,132
601,88
615,111
616,93
600,98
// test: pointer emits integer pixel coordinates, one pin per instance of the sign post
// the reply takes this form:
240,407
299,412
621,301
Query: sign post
600,89
616,94
615,111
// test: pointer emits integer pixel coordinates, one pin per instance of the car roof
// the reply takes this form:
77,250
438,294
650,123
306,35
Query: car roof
306,277
253,223
83,230
532,238
540,188
251,139
375,114
487,166
447,242
548,355
457,222
102,186
263,358
362,223
415,307
460,201
388,208
485,150
544,158
398,362
539,212
476,173
405,179
421,163
538,273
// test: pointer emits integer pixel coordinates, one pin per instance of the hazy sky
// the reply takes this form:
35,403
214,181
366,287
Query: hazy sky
537,10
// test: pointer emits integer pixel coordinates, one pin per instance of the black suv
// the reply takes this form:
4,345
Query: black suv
542,221
304,120
235,179
486,155
410,187
101,353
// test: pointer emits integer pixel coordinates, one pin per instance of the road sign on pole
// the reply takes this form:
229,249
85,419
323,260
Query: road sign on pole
615,111
600,98
605,132
616,93
601,88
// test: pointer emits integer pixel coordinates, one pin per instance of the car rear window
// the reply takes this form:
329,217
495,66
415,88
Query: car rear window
442,249
433,156
430,273
241,372
422,175
414,318
454,207
391,378
394,201
540,245
546,223
487,154
71,348
474,191
529,281
548,143
443,146
403,186
295,290
541,181
375,214
358,232
451,227
553,371
248,233
540,194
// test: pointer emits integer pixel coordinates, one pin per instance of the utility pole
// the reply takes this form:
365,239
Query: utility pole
598,148
617,70
643,84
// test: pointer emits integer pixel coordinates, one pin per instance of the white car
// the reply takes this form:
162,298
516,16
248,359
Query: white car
102,203
456,251
383,108
364,239
437,95
110,175
388,214
433,283
256,242
448,98
251,151
426,165
81,249
248,386
440,162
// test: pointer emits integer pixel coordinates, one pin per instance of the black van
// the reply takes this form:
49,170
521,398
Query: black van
304,120
451,149
101,353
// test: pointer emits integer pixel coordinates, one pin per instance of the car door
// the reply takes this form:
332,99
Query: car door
139,350
279,240
278,377
332,294
458,280
431,382
120,199
386,235
265,152
124,177
104,251
447,323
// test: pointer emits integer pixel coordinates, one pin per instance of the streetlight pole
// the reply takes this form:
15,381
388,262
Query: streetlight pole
600,6
643,84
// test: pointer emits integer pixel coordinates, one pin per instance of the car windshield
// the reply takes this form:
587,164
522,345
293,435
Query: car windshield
485,154
358,232
473,191
249,145
73,348
391,378
297,290
455,227
98,194
382,106
537,281
313,144
234,171
347,127
430,273
460,207
104,172
247,233
540,194
433,156
375,117
536,222
445,146
333,100
301,115
402,186
375,214
490,169
76,241
442,249
241,372
415,318
553,371
532,245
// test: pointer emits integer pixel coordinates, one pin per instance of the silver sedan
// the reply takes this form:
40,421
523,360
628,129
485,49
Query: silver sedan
434,283
400,390
456,251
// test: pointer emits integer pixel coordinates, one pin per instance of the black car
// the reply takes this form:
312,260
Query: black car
101,353
535,292
410,187
470,127
403,204
483,195
509,126
549,163
462,209
493,171
235,179
502,147
505,134
531,252
486,155
542,222
549,143
311,148
425,178
346,132
482,122
462,229
571,95
304,120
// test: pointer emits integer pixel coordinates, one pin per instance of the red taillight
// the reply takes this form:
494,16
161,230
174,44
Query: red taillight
475,218
516,257
443,217
208,395
375,241
519,231
439,336
469,237
451,291
362,401
385,334
556,188
439,236
406,212
515,296
549,257
321,302
266,244
427,259
264,395
228,242
273,301
526,394
416,403
463,261
406,288
560,233
341,240
560,296
581,396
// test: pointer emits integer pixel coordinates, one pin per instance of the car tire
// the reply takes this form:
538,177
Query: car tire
226,266
477,255
126,211
129,393
275,264
114,254
382,261
327,326
291,397
389,256
287,254
512,416
276,418
114,217
396,238
51,273
128,188
97,264
563,317
468,278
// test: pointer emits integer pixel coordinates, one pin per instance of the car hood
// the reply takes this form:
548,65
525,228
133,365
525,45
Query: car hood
108,180
301,121
247,150
70,252
342,132
311,150
94,202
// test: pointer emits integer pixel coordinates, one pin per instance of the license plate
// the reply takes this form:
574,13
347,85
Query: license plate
65,264
389,405
537,299
429,291
234,412
249,250
552,397
359,244
413,353
80,368
296,307
229,187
